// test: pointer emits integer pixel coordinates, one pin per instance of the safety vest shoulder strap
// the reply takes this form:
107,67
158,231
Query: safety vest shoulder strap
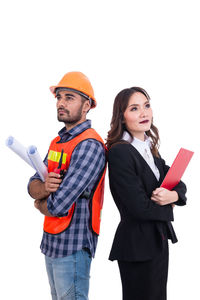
68,147
87,134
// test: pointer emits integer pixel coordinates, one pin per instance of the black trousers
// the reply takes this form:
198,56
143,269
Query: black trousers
145,280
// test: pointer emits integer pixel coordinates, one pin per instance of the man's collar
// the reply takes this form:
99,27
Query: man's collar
75,130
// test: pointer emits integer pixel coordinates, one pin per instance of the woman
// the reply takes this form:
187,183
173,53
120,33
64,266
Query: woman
136,171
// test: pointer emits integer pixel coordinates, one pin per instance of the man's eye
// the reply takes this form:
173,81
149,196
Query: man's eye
69,98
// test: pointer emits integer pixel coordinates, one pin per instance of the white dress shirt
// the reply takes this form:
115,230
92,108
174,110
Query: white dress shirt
144,148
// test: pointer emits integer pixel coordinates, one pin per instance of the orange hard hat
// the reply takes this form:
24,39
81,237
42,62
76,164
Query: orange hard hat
78,82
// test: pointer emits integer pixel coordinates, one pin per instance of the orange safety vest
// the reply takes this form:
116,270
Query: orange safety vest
56,225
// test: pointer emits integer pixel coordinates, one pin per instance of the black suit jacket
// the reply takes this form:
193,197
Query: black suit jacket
144,224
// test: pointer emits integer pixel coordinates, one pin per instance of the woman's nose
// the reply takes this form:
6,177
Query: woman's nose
143,112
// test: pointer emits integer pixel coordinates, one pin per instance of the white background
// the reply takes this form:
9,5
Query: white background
117,44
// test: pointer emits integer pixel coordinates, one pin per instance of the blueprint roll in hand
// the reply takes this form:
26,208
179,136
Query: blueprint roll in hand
19,149
30,155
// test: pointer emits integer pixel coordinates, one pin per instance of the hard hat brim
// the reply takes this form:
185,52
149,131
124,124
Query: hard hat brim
53,91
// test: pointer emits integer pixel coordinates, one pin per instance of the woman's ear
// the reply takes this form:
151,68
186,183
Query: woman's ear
122,118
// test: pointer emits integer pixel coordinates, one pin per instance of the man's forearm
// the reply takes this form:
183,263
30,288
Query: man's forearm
37,189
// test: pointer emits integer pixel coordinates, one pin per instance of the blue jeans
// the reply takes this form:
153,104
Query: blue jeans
69,276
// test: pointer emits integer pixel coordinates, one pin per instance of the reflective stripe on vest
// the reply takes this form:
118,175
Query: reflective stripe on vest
56,225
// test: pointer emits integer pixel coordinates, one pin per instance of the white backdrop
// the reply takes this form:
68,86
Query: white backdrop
117,44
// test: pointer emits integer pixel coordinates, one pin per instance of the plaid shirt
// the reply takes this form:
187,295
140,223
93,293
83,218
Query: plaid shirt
87,162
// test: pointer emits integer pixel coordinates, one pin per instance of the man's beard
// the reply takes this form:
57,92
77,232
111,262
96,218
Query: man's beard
67,119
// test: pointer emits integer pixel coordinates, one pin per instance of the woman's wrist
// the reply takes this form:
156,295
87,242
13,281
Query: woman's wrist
175,196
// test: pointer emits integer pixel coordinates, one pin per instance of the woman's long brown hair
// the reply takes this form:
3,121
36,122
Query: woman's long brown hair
117,123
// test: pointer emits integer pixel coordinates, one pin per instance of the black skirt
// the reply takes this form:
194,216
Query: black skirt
145,280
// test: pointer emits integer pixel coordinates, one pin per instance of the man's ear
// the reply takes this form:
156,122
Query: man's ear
86,106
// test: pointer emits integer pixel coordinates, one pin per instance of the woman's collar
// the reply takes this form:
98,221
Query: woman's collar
127,137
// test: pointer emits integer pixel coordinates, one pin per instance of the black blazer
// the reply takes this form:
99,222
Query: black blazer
144,224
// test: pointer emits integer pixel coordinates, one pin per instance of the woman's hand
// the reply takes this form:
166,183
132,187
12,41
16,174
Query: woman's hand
163,196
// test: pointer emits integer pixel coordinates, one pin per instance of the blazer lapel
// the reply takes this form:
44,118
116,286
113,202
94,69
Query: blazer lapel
141,159
158,164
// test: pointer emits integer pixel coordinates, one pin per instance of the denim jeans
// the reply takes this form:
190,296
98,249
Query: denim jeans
69,276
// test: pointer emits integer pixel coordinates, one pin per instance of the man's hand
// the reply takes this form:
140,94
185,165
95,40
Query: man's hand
41,205
52,182
163,196
41,190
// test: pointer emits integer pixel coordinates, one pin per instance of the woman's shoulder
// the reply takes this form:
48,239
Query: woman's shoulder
120,146
120,149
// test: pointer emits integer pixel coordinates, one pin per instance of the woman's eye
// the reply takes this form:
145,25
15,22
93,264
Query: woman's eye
133,108
148,105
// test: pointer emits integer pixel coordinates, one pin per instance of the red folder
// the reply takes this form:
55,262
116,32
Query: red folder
177,169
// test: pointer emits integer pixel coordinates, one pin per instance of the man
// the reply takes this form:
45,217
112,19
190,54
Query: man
71,203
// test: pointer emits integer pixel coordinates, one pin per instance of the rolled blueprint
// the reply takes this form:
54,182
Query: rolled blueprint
37,162
30,155
19,149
